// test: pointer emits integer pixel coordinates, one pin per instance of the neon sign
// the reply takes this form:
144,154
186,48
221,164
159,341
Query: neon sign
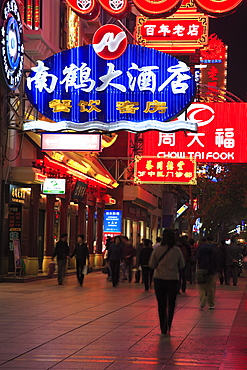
109,42
139,91
11,45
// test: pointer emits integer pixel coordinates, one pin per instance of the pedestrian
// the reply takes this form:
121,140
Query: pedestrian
81,254
115,256
128,253
138,271
61,252
186,251
157,244
192,261
166,260
233,252
222,253
109,241
144,258
206,273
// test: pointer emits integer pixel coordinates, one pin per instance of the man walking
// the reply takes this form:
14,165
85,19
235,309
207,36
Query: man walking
61,252
232,256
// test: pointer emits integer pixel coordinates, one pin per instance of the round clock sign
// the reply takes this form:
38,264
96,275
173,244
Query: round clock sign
11,45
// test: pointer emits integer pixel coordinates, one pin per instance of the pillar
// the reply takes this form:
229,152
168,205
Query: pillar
64,216
49,248
99,255
81,218
32,264
90,232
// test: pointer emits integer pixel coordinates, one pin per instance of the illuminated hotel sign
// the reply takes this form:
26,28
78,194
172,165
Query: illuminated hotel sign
139,91
71,142
221,136
178,31
153,170
11,45
112,221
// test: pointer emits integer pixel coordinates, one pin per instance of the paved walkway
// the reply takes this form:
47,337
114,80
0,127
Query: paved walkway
47,326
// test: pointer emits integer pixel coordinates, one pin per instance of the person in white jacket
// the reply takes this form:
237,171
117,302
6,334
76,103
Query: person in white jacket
166,260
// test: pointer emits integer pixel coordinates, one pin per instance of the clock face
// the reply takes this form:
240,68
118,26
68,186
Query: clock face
12,49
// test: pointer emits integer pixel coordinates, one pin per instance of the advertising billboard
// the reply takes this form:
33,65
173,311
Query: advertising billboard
140,90
112,221
54,186
221,136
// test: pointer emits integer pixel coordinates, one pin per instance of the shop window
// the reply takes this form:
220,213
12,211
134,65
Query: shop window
33,14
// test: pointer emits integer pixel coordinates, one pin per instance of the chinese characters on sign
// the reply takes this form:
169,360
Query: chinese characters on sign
184,31
221,136
164,170
143,86
112,221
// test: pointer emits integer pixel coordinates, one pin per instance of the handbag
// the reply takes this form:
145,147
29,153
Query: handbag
85,270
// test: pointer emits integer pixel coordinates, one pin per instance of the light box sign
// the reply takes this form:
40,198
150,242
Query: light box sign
54,186
112,221
71,142
153,170
181,30
221,136
139,91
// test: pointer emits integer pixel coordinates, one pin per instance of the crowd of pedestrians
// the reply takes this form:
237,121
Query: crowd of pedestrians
168,265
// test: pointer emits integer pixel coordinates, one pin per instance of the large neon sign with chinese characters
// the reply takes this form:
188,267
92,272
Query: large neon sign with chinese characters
139,91
153,170
221,136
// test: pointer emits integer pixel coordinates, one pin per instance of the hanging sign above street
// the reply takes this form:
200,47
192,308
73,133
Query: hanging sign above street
139,91
11,45
153,170
71,142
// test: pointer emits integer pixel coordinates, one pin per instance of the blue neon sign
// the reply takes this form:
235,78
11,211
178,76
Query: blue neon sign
139,91
112,221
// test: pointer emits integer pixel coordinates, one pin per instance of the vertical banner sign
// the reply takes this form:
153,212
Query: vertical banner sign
15,223
11,45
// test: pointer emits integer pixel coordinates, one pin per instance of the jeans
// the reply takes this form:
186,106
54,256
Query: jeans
207,291
61,266
79,268
115,266
128,271
232,271
147,275
166,293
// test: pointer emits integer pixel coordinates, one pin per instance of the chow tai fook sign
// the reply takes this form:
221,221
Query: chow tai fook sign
71,142
178,31
221,136
140,90
153,170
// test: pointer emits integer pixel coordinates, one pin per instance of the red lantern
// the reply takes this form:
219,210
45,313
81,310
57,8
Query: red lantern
116,8
157,8
217,8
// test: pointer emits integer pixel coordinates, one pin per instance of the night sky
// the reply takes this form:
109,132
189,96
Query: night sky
232,30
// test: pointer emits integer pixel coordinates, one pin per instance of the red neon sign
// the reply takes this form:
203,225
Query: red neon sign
182,30
153,170
116,8
218,7
221,136
109,42
157,8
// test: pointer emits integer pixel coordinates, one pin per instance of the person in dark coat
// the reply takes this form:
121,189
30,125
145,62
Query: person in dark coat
61,252
207,261
128,253
115,256
81,254
147,273
222,262
186,251
233,252
138,251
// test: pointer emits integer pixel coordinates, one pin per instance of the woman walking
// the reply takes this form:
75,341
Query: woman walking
166,260
81,254
115,255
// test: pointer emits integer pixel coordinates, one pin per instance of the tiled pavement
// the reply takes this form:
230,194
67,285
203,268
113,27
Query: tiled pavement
47,326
